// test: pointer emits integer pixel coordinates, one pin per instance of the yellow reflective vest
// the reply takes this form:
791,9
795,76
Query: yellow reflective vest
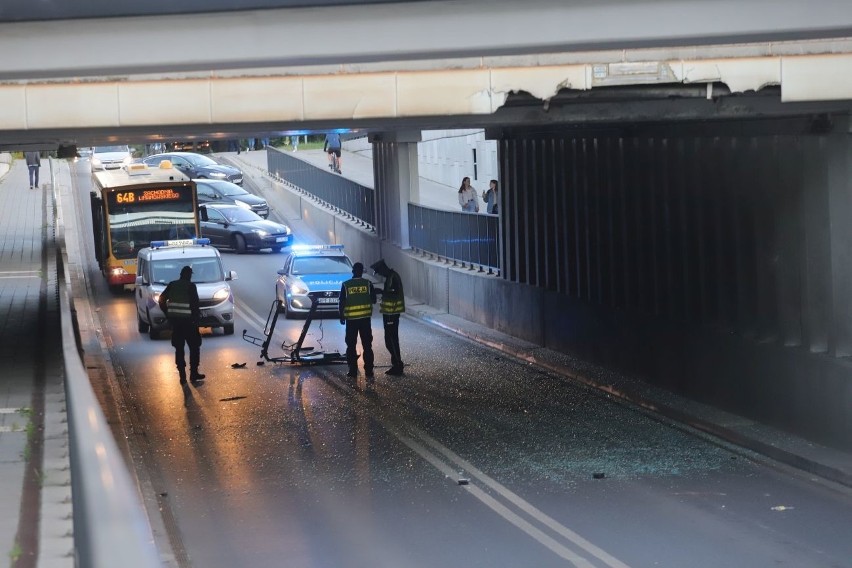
393,299
178,295
357,299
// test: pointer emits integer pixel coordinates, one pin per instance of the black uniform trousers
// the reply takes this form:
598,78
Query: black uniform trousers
391,322
186,331
354,328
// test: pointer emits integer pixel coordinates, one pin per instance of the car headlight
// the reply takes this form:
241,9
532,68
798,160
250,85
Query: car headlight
298,289
222,294
218,175
96,163
260,232
156,297
242,204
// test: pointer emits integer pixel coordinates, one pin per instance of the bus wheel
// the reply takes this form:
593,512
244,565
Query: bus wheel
239,244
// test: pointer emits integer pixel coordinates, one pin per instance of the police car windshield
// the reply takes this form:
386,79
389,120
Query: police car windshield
322,265
203,270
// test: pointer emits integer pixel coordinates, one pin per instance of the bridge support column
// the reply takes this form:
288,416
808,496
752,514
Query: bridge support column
839,189
397,181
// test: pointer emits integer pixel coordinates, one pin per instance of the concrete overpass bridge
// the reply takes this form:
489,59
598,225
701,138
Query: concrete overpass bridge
674,174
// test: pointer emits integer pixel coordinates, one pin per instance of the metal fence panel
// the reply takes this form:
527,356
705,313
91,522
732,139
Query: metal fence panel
341,193
469,238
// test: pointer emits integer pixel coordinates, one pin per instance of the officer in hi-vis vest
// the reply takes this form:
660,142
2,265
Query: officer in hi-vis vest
179,301
391,305
357,297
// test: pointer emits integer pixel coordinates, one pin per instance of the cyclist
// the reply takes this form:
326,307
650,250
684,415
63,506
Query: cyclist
332,146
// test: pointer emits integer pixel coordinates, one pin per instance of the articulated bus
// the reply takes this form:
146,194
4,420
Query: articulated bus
133,206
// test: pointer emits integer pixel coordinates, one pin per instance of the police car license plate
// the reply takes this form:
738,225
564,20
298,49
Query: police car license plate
327,300
280,239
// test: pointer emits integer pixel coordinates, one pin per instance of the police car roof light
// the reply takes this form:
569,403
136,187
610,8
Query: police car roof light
180,243
316,247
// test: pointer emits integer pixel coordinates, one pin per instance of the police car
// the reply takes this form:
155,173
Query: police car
160,263
312,268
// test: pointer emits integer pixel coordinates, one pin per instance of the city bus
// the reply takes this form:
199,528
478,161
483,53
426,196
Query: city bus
133,206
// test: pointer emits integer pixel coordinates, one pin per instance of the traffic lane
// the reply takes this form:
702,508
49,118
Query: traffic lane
261,463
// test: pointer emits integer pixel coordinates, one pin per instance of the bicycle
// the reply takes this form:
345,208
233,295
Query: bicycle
335,162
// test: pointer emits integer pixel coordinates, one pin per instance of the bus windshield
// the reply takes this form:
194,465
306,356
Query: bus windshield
134,226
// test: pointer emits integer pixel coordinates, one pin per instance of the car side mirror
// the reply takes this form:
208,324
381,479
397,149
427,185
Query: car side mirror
140,281
282,272
232,275
202,212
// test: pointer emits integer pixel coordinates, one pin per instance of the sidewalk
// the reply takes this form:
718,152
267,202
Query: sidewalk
34,478
781,446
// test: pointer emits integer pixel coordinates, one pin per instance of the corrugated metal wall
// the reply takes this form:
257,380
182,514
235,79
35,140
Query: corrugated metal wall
727,225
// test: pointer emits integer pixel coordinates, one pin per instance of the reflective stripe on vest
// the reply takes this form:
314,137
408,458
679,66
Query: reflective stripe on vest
178,301
392,302
358,301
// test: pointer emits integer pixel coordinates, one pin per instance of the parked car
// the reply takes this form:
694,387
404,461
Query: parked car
197,166
111,157
319,268
210,190
233,227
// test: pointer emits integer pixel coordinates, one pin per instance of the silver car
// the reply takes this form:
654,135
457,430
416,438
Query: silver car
161,263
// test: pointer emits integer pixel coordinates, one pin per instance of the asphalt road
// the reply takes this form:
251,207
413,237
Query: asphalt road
471,459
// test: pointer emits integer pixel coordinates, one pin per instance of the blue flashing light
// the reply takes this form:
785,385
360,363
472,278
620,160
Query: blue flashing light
180,243
300,247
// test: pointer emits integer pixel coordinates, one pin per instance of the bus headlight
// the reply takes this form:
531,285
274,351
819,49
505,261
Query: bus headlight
118,271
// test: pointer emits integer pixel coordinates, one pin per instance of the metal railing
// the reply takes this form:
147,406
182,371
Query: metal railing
340,193
468,238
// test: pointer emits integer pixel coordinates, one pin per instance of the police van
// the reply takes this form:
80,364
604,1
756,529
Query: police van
160,263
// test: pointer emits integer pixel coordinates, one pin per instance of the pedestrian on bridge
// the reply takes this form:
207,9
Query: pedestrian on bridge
490,198
333,147
357,297
179,301
467,197
33,164
392,304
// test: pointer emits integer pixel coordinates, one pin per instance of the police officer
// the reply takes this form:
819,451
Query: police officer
357,297
392,304
179,301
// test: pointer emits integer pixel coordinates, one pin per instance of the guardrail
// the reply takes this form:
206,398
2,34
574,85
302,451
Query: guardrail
111,527
340,193
468,238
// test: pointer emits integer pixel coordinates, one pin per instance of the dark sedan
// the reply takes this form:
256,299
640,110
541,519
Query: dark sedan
236,228
197,166
227,192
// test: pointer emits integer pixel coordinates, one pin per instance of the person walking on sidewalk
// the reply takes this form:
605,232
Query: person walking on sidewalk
33,164
392,304
357,297
179,301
